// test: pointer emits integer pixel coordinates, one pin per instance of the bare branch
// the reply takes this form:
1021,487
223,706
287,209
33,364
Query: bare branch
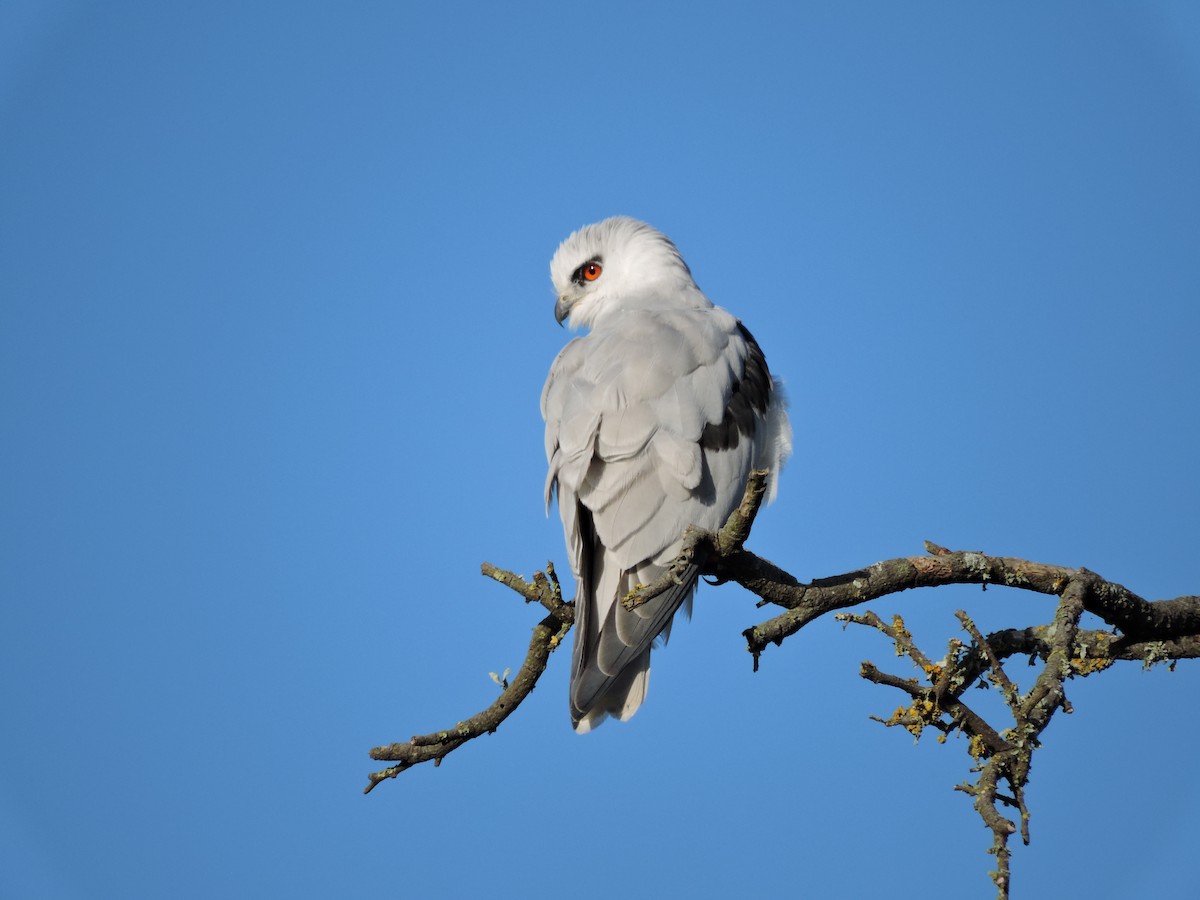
1141,620
1145,631
547,636
1003,755
1007,689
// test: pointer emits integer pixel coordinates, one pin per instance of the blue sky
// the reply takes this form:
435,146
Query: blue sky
274,320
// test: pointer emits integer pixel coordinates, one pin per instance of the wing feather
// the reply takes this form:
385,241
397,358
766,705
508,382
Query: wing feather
651,425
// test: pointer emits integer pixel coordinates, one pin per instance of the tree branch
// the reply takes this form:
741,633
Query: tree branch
1144,631
1139,619
547,636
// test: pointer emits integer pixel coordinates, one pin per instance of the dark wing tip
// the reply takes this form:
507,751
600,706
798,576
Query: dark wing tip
749,400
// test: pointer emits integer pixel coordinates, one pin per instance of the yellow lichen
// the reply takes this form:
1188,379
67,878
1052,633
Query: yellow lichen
976,747
1085,667
914,718
903,635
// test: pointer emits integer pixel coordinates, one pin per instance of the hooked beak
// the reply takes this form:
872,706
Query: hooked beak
562,308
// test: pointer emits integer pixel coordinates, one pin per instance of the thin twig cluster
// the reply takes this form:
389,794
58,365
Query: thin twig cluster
1002,756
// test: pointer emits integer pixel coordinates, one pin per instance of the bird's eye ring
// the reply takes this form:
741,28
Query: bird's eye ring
591,271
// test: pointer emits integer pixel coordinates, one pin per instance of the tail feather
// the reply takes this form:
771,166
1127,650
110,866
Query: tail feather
611,659
621,699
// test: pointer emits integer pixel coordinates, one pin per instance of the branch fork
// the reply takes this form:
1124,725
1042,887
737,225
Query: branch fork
1139,630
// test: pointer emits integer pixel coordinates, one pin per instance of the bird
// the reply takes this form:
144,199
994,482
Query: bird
654,420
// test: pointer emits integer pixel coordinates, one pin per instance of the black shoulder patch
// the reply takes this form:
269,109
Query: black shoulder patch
751,395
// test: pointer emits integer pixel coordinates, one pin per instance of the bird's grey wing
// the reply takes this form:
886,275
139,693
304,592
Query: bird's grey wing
646,434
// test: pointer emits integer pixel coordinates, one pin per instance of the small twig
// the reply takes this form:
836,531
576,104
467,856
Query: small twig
736,530
693,538
1007,689
545,589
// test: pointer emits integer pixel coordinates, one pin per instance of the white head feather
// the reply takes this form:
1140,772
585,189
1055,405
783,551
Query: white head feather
639,268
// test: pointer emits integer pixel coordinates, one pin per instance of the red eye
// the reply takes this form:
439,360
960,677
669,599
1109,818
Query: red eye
591,271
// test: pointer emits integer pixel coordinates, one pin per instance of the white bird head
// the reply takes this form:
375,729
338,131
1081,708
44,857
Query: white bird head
617,264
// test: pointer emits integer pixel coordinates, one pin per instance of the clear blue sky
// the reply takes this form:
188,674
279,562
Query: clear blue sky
274,319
